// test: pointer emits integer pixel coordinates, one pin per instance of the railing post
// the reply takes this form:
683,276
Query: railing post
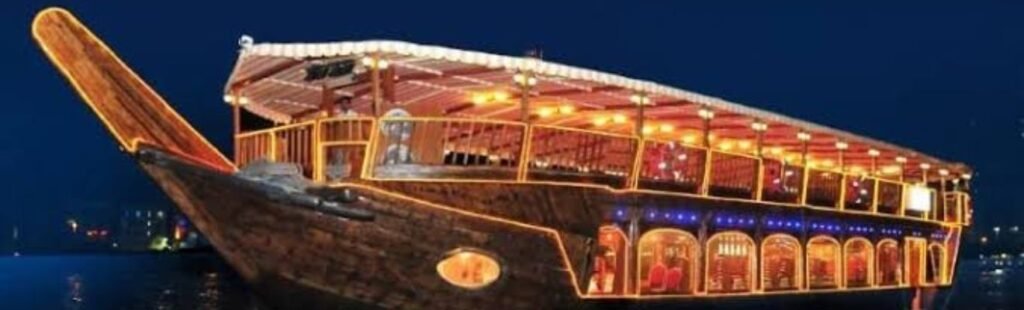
370,153
759,179
637,170
903,199
524,153
874,199
841,202
318,174
273,146
804,188
705,186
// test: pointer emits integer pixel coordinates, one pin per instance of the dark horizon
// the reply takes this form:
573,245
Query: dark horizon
945,80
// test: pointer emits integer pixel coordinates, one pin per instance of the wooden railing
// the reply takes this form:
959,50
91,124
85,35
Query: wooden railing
411,148
579,156
671,166
823,188
342,148
311,145
858,192
447,148
290,143
890,197
781,182
733,175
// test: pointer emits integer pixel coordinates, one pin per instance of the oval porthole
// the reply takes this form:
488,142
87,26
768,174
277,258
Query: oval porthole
469,269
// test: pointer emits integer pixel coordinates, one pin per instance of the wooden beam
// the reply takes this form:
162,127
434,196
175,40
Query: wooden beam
281,67
426,76
656,105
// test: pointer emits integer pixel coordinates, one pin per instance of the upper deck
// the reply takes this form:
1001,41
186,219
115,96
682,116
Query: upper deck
386,110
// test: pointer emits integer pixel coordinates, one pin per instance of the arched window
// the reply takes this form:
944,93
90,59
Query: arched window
823,262
859,262
781,263
608,276
935,273
667,262
731,263
890,263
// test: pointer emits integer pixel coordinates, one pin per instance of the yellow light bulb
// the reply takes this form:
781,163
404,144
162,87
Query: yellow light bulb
545,112
479,98
666,128
725,145
689,139
500,96
648,130
566,109
619,118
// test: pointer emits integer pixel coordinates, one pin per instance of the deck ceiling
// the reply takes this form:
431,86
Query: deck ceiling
439,81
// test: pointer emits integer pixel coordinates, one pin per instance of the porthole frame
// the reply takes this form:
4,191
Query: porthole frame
502,268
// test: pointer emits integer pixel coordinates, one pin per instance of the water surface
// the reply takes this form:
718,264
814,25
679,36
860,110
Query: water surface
204,281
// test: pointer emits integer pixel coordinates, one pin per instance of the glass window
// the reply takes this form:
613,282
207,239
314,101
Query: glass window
859,256
823,262
667,262
731,259
781,263
469,269
609,264
890,263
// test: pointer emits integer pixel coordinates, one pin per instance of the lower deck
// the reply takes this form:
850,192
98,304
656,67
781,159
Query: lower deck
648,245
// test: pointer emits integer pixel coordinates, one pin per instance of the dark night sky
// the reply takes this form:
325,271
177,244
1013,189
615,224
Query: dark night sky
946,80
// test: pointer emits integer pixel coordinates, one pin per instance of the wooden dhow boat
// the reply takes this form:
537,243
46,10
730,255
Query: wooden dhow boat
388,174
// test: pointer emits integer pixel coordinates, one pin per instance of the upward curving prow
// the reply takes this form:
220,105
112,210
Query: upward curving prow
131,110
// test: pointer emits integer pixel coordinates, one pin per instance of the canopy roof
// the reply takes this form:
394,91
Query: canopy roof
441,81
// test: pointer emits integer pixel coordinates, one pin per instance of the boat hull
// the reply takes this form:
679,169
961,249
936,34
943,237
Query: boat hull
387,262
300,258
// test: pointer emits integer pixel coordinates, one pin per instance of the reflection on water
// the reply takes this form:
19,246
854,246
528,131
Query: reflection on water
984,286
188,281
203,281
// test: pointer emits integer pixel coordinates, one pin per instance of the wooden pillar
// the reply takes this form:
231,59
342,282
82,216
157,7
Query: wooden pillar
640,100
326,101
902,161
375,64
236,121
874,165
841,147
525,81
759,128
804,137
803,152
706,115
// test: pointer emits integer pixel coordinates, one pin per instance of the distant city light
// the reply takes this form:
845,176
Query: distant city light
73,224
